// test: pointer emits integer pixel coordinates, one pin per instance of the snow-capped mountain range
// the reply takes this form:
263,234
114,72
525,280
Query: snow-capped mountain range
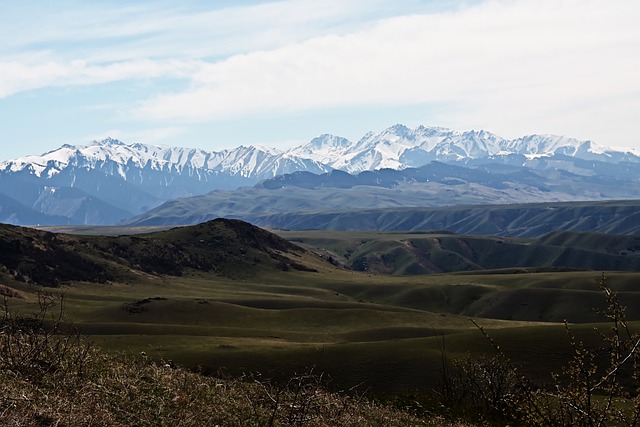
399,147
106,181
114,157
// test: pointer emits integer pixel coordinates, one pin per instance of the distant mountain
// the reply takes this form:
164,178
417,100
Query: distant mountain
108,181
400,147
14,212
517,220
340,200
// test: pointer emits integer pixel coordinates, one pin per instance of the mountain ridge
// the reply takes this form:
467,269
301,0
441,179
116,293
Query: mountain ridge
321,154
127,180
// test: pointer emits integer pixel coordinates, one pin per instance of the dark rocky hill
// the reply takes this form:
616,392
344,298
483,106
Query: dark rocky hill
226,247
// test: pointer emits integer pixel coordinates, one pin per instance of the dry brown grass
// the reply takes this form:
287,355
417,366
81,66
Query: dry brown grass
125,392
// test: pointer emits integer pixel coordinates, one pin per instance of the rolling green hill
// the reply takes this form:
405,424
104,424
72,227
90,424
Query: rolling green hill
402,253
516,220
230,298
293,210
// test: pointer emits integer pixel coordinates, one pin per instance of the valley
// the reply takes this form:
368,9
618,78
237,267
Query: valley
228,298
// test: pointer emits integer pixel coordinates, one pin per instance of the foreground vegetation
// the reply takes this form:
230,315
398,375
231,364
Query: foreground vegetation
49,376
598,386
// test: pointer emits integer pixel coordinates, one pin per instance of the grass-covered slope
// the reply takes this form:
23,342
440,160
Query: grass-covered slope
403,253
519,220
49,377
217,296
332,200
47,259
322,210
233,247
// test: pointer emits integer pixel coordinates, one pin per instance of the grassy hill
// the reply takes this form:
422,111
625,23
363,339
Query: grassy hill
516,220
228,299
402,253
419,198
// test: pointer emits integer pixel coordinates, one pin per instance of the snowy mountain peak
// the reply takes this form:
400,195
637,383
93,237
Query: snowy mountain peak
108,141
433,130
327,142
322,149
400,147
541,145
399,130
130,179
396,147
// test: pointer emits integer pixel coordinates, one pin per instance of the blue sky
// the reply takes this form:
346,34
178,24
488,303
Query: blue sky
217,74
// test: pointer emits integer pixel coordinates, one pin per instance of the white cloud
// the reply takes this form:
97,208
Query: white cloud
18,76
506,65
93,43
510,66
113,32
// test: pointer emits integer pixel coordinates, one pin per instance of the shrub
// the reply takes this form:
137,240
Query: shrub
598,386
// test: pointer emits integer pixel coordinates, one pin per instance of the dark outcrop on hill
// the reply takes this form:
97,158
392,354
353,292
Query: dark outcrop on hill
47,259
230,248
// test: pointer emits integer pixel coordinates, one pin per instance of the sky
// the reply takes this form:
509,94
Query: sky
218,74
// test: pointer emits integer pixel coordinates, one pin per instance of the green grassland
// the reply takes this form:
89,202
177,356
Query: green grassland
384,333
278,310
